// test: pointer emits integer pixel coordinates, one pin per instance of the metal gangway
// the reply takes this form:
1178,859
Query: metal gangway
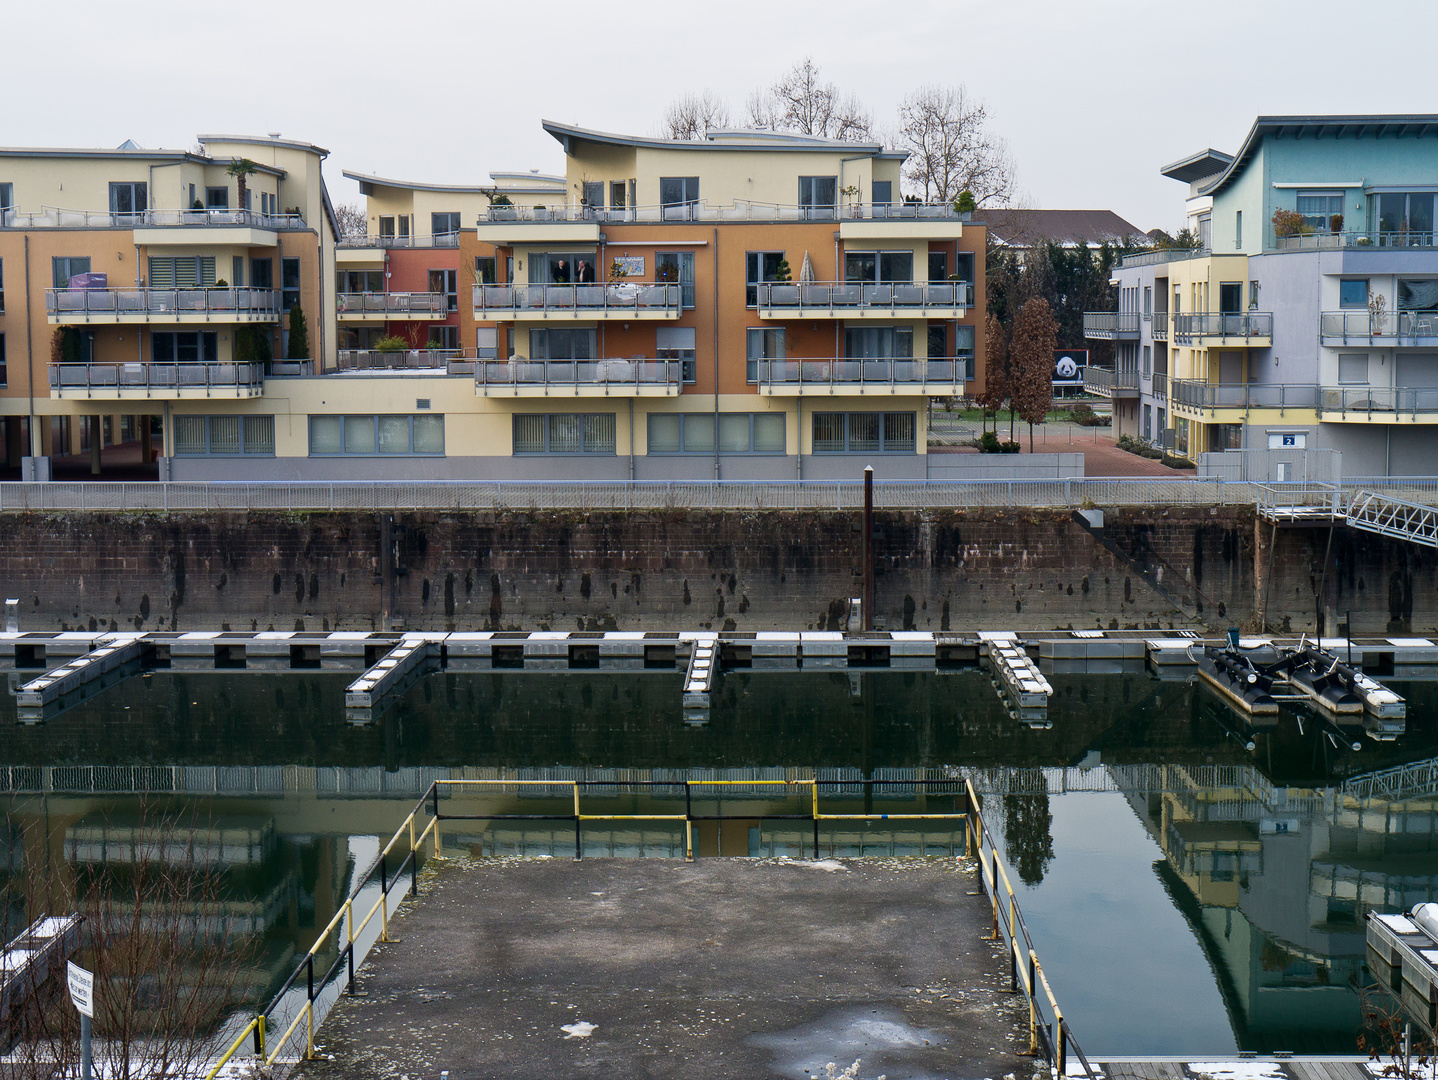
1361,508
1413,780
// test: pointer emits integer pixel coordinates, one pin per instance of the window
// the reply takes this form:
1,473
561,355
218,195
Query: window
760,266
883,192
359,281
3,378
1148,421
1417,294
267,203
563,344
938,267
1238,228
486,342
182,272
64,267
878,342
447,282
838,433
237,271
1319,207
289,283
1353,367
1353,292
386,225
592,194
677,194
564,433
2,286
486,270
377,435
1205,232
561,268
1230,297
1253,294
677,266
1405,217
196,436
616,195
763,343
7,197
964,349
676,343
127,198
879,266
444,337
443,225
217,198
1147,361
938,339
1148,302
739,433
193,347
262,274
818,195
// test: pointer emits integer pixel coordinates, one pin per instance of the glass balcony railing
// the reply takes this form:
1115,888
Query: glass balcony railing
435,240
1206,395
50,217
1216,324
382,304
1160,326
1366,400
623,297
156,376
447,361
1110,324
876,374
739,210
616,374
842,296
1160,384
1355,238
1343,327
218,304
1106,382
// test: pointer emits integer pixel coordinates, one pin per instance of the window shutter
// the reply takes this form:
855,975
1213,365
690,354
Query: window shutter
162,273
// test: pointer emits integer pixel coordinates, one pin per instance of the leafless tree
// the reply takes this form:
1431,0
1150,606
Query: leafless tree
1035,339
800,102
951,148
997,382
351,219
693,116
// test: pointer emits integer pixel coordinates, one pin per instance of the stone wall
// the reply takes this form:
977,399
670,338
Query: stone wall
937,570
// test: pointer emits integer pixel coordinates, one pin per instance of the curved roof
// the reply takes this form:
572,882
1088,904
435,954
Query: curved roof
1197,166
725,139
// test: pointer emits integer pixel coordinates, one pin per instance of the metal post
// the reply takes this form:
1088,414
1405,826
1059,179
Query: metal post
435,788
260,1036
383,900
413,861
1062,1047
1013,949
578,851
994,891
310,1008
350,934
868,550
1033,1008
84,1047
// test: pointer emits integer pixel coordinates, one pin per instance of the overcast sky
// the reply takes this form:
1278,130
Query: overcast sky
1092,96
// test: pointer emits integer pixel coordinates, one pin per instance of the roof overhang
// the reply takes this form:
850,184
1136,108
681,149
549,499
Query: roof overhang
569,135
1197,166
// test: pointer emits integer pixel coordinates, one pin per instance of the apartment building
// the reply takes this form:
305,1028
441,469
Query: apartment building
1307,316
142,289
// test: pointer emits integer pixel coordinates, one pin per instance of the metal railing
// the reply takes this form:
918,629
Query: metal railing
1106,381
1246,324
451,361
1359,326
739,210
1160,384
1355,238
843,296
626,297
155,376
495,374
870,374
1160,325
1412,402
52,217
1206,395
1164,255
392,303
1300,500
211,302
1397,518
1107,324
426,240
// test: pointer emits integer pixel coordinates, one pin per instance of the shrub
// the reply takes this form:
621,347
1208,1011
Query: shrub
299,335
989,443
1290,223
1009,447
391,344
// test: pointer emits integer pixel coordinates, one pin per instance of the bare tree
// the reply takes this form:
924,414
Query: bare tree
997,382
693,116
351,219
800,102
951,148
1035,339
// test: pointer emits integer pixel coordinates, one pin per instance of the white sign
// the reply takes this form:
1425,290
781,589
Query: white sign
82,989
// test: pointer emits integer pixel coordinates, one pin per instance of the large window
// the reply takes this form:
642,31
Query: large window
592,194
361,281
938,267
564,433
878,342
186,347
562,344
1353,293
762,343
676,343
1318,208
883,192
182,272
217,198
677,194
677,267
1405,217
1417,294
760,266
262,274
420,434
289,283
444,224
128,198
447,282
486,270
486,342
226,436
1353,367
739,433
562,267
64,267
7,198
867,432
818,195
879,266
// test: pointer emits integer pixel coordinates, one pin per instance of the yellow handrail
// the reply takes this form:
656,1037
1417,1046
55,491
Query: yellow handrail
249,1028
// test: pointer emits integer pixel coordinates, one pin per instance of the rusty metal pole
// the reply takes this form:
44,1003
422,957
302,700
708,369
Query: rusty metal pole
868,548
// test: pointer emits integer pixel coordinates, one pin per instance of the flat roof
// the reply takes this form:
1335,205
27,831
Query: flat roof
726,139
134,152
546,185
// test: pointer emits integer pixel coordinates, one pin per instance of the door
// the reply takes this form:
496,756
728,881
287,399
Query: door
1230,306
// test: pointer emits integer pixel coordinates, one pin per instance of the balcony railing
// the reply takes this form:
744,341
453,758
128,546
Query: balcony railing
435,240
51,217
1206,395
1160,326
1342,327
146,376
824,373
403,303
1160,384
739,210
1110,324
1106,381
449,361
1355,238
1367,400
573,374
1164,255
1215,324
217,303
629,297
843,296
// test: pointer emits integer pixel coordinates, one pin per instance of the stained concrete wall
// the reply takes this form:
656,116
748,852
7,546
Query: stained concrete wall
939,570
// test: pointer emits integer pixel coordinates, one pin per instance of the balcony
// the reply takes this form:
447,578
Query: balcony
372,306
634,377
51,217
1356,238
166,382
1159,328
1378,405
411,361
739,210
856,300
436,240
1252,329
1401,329
1160,384
796,377
1164,255
628,300
1210,399
1111,325
1106,382
170,306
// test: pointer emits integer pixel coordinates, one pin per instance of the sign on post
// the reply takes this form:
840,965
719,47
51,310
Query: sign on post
82,988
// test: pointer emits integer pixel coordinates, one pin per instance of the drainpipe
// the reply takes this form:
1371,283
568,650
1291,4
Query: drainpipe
29,346
715,316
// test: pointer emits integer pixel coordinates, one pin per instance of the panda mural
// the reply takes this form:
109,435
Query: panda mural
1069,366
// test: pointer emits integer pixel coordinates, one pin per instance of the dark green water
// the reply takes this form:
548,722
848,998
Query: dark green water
1196,897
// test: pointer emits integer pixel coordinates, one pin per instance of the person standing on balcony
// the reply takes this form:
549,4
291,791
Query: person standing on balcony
586,273
561,273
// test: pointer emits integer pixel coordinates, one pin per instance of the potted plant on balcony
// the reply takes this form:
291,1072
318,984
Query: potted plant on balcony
851,192
1377,313
1289,223
1335,224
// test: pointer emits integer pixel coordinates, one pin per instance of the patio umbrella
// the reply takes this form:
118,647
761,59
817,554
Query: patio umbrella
806,271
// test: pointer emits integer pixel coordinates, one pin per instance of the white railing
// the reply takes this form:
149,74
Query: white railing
866,374
1360,326
1357,238
616,373
623,297
1366,400
1164,255
739,210
155,376
450,361
53,217
264,303
392,303
842,296
1247,324
427,240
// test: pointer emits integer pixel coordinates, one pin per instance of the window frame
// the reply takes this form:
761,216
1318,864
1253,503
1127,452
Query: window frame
689,192
684,418
1351,356
67,260
480,275
812,206
448,218
885,418
246,422
138,191
288,292
755,271
217,197
374,425
1354,304
548,418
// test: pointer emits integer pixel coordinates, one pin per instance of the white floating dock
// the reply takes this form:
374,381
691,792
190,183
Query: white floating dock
699,674
1019,676
366,691
32,697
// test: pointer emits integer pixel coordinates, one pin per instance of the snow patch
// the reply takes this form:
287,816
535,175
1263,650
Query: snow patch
1238,1070
580,1029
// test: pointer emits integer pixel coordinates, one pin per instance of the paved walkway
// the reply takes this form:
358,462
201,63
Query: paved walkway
722,968
1102,457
